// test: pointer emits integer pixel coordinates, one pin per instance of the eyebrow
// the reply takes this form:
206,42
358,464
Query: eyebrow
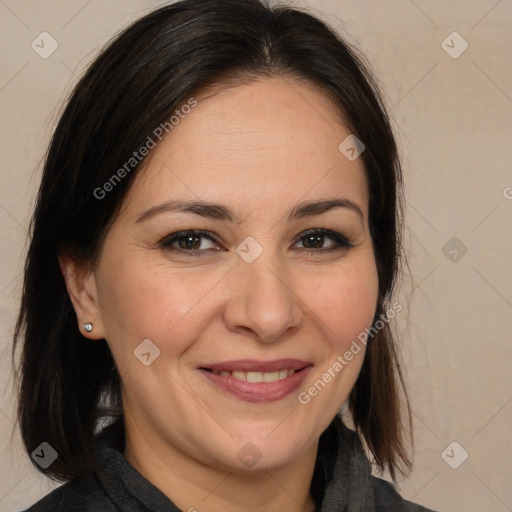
220,212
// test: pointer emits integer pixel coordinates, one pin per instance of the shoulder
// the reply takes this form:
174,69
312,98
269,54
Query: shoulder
80,495
387,498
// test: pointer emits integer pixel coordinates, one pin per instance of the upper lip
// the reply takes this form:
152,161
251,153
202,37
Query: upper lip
252,365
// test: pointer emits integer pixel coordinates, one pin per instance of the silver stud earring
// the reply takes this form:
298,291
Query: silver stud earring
88,327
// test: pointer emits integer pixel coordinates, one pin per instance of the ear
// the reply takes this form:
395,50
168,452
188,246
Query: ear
81,288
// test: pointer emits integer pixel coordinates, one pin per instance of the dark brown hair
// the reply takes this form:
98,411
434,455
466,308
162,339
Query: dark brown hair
134,85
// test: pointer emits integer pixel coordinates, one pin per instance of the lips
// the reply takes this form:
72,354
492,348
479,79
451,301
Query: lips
251,365
256,376
257,381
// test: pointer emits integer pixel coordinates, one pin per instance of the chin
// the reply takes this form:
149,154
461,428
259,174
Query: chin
265,452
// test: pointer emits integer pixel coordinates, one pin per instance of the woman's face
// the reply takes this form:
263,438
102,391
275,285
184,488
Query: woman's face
260,292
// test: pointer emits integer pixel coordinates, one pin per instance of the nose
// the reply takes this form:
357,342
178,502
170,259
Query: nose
262,300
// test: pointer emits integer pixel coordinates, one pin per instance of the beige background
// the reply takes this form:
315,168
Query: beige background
453,119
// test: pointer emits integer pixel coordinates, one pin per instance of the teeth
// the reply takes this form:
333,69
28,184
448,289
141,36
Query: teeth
257,376
254,377
270,376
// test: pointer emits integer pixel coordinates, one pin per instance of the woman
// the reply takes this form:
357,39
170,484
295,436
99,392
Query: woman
213,252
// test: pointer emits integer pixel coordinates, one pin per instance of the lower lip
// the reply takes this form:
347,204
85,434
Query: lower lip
257,391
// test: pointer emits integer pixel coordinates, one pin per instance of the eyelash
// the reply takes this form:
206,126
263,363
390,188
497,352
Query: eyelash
340,241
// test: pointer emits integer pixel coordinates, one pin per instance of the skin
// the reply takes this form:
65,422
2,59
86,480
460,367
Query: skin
259,149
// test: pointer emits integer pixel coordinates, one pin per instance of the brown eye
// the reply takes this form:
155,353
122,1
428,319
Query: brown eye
316,238
313,241
189,241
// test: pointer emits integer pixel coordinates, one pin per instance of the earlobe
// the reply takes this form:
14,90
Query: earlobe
81,288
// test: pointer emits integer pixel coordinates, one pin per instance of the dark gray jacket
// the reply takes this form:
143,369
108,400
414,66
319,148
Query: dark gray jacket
116,486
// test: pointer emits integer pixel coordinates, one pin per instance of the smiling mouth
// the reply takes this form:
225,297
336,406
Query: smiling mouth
257,381
252,370
257,386
255,376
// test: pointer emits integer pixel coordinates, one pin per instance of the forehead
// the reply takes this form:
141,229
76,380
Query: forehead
259,144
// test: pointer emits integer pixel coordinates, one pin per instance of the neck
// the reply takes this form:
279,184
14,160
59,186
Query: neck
196,487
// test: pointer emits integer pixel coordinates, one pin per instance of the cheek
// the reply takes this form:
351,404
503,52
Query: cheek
344,306
344,303
159,304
